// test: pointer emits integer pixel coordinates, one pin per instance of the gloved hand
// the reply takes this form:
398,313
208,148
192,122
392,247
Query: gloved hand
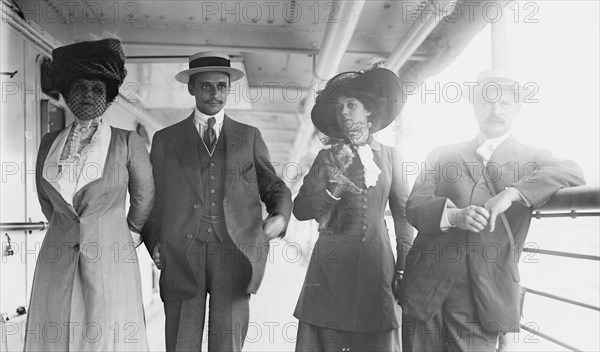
396,283
336,164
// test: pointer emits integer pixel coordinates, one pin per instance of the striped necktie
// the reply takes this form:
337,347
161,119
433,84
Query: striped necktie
210,137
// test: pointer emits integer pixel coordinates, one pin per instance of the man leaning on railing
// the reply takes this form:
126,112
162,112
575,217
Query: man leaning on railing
460,289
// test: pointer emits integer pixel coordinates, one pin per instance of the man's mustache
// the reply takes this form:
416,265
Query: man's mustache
213,101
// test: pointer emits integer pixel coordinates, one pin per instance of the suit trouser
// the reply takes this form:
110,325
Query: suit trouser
454,327
223,272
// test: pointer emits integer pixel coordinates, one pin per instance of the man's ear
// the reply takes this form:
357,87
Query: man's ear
191,88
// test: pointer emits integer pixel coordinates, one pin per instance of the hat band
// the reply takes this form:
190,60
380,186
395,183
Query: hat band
209,61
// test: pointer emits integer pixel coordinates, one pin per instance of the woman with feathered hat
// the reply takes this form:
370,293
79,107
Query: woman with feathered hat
347,302
86,293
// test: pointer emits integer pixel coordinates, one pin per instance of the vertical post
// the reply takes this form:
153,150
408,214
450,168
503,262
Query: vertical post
500,43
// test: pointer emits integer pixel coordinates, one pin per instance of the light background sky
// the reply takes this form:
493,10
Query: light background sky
560,53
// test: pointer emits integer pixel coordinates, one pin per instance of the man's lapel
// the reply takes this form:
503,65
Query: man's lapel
187,152
472,161
506,152
234,152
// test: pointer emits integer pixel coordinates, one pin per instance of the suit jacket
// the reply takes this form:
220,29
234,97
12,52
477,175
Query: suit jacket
348,284
455,172
175,218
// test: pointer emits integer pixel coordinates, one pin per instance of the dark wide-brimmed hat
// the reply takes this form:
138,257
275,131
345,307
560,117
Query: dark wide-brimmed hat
209,62
101,59
380,83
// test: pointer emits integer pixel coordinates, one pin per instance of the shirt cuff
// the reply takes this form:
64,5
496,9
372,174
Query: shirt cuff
523,200
331,195
445,224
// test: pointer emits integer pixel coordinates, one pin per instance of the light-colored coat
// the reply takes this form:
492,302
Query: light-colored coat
86,289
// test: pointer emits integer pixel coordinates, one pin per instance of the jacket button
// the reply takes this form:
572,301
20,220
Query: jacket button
364,227
190,235
363,240
213,204
209,230
365,199
212,164
196,206
212,178
364,206
76,246
212,191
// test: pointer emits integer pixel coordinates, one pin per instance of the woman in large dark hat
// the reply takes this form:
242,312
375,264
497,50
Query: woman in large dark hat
86,293
347,302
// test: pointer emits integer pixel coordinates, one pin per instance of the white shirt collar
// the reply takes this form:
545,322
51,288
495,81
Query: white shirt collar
495,142
202,119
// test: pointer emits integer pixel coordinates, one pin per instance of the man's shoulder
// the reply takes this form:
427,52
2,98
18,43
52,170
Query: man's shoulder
240,125
173,129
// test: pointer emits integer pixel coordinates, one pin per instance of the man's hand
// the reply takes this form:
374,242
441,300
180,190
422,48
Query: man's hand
500,203
471,218
274,226
396,284
156,256
506,342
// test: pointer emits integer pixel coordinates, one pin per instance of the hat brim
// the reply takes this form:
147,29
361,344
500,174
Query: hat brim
381,82
234,73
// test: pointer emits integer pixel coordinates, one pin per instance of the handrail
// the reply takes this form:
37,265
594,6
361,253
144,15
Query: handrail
562,299
23,226
549,338
573,199
568,202
561,254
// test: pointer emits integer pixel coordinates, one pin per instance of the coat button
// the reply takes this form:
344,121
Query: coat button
364,227
212,191
365,199
196,206
212,178
363,240
76,246
364,206
209,230
212,164
213,204
190,235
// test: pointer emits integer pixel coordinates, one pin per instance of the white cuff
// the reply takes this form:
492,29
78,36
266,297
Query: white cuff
445,224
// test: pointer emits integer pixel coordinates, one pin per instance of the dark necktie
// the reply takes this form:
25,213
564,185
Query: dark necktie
210,137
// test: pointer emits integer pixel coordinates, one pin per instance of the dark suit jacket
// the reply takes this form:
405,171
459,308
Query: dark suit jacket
175,220
348,284
455,172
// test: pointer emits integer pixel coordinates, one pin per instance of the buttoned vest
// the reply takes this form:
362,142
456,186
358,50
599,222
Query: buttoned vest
213,172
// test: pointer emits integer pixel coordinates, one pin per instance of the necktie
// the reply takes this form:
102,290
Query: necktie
210,137
485,150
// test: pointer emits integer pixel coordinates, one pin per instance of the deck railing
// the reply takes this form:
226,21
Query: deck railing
571,202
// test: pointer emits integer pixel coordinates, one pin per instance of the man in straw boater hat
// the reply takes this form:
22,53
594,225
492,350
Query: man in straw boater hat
206,231
460,290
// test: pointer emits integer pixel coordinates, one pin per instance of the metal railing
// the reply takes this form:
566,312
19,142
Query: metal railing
23,226
569,202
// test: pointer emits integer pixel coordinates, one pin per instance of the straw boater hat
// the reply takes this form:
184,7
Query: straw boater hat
489,81
209,62
381,82
100,59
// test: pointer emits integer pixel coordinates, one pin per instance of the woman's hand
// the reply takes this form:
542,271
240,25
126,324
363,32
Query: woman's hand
156,256
274,226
